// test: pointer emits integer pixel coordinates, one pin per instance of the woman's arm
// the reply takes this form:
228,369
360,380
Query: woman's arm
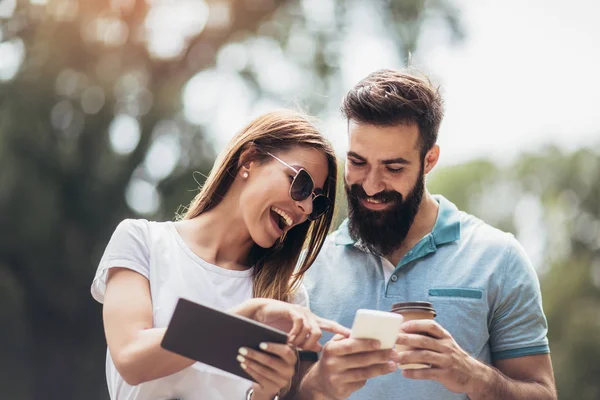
303,327
133,343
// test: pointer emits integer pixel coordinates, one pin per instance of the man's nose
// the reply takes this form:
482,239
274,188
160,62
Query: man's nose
373,183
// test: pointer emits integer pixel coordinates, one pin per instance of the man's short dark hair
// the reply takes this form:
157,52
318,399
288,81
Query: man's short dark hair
390,97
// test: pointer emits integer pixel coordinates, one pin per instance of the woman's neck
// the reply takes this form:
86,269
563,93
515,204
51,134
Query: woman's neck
219,236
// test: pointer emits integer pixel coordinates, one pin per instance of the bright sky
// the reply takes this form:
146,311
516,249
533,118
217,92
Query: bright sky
526,75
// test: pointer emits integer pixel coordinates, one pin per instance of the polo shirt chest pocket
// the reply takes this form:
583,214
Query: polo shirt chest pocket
464,313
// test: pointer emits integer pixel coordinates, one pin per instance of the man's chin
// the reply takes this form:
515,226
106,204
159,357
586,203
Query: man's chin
375,230
376,218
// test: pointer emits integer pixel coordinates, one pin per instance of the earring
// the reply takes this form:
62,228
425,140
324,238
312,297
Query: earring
245,174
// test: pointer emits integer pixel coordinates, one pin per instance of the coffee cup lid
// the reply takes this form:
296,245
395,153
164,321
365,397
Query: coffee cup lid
414,306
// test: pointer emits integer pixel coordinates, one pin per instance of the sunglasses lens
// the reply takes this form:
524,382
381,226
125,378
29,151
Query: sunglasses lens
320,206
302,186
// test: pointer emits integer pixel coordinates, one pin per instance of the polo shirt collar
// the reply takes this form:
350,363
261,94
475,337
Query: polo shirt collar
445,230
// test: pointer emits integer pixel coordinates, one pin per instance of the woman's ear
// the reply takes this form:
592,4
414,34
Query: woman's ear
246,160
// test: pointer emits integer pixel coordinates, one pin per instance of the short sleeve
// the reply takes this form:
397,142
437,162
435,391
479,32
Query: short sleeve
127,248
518,326
301,296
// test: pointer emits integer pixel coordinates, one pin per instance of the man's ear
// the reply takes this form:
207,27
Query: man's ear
431,158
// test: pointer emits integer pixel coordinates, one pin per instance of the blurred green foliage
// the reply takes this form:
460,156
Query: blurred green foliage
94,99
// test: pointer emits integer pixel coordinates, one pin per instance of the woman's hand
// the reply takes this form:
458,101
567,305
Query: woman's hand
303,327
273,369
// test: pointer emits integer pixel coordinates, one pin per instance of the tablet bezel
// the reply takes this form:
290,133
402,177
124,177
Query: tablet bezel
213,336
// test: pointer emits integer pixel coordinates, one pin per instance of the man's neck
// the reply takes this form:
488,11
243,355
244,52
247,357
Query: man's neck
421,226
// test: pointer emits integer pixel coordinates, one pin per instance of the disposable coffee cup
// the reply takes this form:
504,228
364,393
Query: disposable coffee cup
413,310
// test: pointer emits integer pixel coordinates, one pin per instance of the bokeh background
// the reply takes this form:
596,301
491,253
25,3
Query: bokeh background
116,108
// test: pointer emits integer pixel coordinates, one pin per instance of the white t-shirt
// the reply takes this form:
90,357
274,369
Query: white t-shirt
157,251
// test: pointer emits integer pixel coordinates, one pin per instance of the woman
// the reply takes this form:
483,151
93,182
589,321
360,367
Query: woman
269,195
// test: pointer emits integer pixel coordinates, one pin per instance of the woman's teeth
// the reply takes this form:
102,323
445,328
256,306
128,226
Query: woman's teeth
287,219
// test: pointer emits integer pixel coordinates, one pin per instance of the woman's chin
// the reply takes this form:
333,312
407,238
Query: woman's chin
268,236
266,241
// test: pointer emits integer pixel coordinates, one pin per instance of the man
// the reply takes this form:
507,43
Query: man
400,243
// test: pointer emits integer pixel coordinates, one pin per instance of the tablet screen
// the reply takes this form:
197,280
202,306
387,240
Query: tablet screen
214,337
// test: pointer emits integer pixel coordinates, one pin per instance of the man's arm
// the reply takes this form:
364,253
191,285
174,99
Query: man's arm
521,378
302,370
344,367
517,319
529,377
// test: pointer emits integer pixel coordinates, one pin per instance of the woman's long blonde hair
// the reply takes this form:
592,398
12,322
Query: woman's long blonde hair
273,132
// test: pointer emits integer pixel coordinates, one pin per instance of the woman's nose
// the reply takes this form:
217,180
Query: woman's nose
306,205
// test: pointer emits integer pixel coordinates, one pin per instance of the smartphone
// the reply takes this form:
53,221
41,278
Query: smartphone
374,324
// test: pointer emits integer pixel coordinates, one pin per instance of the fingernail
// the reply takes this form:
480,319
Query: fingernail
375,344
244,366
243,351
392,366
241,358
291,339
263,346
394,355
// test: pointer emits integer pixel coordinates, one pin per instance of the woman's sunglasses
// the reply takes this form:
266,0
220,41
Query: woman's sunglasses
302,187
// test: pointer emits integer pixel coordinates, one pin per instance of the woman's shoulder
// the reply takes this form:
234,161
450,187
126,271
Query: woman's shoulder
300,296
134,224
140,228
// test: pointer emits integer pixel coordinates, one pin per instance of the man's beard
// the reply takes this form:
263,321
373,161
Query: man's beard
382,232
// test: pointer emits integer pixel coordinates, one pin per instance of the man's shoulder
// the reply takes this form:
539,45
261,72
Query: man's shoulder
337,245
335,242
495,244
478,232
338,237
457,226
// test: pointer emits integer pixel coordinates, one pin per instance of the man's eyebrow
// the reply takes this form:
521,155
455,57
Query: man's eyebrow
398,160
355,155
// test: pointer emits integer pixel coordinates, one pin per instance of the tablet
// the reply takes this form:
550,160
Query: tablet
213,337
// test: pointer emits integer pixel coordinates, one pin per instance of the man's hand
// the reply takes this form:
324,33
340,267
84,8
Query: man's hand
527,377
450,364
345,366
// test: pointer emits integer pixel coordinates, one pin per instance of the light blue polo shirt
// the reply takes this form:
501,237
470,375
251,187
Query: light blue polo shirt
482,285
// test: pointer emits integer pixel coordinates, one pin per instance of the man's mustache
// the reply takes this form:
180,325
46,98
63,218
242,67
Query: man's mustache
388,196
